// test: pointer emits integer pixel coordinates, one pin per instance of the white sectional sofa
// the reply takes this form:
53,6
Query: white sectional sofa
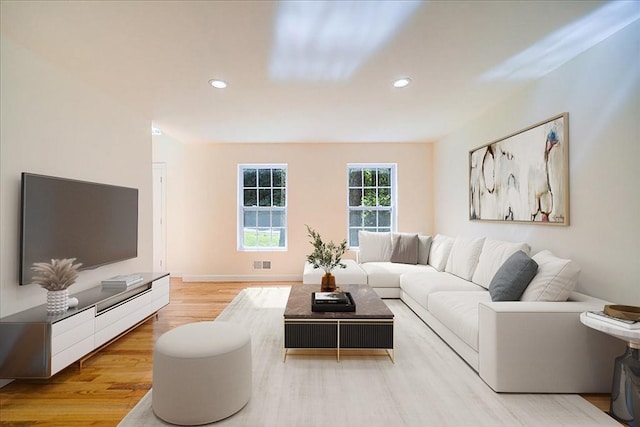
533,344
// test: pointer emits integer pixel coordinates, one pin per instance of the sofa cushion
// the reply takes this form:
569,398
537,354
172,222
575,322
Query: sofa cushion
374,247
439,251
404,248
387,274
513,277
464,257
424,246
458,311
494,253
419,285
555,280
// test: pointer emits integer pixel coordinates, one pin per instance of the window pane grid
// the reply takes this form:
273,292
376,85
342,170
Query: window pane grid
262,219
370,204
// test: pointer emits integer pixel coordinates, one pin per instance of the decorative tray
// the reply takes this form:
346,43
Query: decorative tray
349,306
627,312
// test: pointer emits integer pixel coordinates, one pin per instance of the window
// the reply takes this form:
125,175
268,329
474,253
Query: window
371,200
262,213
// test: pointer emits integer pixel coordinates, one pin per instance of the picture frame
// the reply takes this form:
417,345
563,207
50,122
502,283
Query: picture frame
523,177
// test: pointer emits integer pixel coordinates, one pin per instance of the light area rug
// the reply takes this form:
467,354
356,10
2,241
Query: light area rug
428,385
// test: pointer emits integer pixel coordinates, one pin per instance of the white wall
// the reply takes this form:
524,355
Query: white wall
204,226
53,124
601,91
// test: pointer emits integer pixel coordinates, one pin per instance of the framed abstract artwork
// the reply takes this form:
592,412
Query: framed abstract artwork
523,177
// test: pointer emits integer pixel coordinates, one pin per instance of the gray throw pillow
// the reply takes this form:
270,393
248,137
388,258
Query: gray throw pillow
424,246
405,248
513,277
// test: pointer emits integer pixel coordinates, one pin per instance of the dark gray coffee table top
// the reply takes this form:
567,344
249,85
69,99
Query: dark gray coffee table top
368,304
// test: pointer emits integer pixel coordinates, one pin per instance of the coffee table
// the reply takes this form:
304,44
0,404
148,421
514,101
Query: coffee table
370,327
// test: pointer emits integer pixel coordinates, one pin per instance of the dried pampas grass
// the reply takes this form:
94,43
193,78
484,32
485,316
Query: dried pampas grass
57,275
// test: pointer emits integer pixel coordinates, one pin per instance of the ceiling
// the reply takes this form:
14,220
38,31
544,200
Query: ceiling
297,72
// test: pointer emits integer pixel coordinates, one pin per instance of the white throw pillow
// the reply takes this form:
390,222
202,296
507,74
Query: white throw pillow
494,254
374,247
555,280
464,257
424,247
439,251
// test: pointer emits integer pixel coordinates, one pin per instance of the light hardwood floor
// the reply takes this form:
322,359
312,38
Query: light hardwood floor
113,380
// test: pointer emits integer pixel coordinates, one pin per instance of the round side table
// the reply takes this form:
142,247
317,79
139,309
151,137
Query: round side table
625,392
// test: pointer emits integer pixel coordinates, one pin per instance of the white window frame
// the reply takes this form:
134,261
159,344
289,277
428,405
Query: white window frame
394,197
241,208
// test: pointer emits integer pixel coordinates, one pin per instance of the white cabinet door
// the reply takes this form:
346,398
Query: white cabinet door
117,320
160,290
71,338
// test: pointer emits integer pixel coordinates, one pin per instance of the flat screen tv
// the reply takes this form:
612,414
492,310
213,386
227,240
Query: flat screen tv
65,218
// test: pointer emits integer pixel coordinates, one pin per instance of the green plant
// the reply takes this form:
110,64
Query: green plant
57,275
326,256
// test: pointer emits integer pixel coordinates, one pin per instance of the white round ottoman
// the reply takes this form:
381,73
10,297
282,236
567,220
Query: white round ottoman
201,373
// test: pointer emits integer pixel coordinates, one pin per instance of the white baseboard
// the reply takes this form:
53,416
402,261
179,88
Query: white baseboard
241,278
5,382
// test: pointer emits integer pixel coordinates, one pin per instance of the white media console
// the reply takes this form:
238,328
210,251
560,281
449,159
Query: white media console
34,344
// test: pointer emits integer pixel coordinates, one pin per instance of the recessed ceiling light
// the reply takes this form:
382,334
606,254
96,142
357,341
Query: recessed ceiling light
403,82
218,84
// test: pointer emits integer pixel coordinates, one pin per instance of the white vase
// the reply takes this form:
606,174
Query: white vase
57,301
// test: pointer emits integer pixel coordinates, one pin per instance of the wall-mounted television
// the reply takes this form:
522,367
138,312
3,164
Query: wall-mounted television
65,218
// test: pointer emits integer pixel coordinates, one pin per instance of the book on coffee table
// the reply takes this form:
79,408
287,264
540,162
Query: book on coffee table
332,301
331,298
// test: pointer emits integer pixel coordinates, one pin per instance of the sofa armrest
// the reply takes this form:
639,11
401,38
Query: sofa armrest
541,307
542,347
